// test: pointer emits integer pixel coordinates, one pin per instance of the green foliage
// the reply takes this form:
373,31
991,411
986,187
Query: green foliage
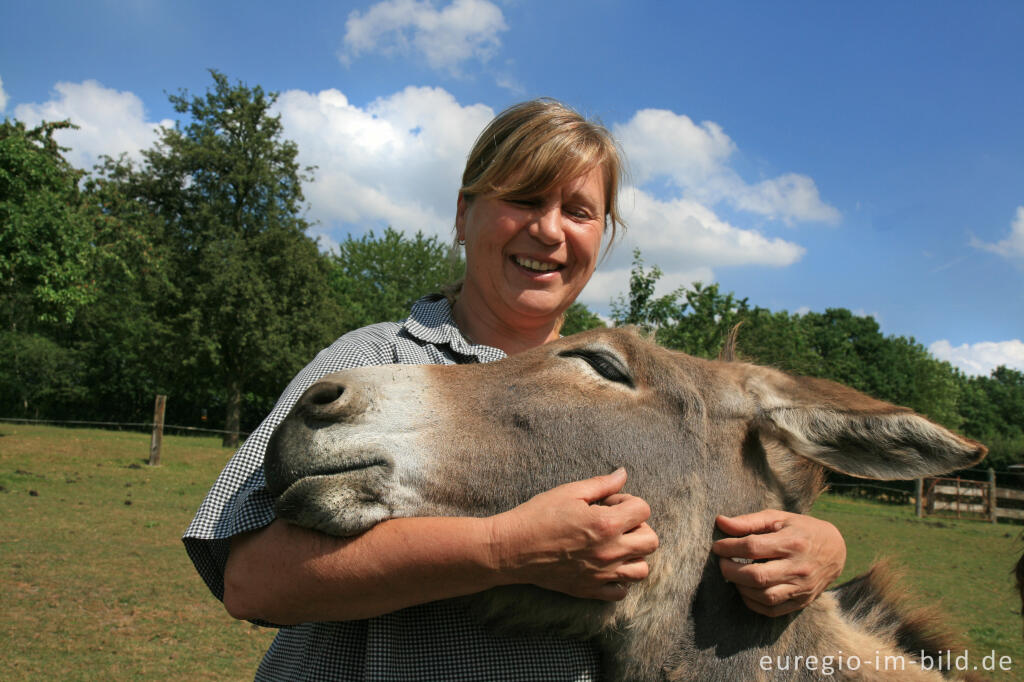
640,307
46,230
249,304
704,320
777,339
696,320
578,318
993,411
375,279
36,376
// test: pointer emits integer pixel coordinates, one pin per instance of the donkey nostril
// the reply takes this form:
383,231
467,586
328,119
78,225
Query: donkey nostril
325,394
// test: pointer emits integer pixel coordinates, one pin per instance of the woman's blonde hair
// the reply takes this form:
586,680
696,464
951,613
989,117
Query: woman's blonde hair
532,147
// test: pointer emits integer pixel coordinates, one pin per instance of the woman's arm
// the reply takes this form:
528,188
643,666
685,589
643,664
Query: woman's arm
805,555
560,539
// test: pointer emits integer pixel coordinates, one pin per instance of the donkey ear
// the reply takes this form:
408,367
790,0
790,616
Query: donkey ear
851,433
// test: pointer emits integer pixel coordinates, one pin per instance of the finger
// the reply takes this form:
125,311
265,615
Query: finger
750,547
599,487
767,521
610,591
628,547
627,515
642,540
768,598
765,575
633,571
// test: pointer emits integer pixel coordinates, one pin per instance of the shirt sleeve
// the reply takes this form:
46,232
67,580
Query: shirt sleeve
238,501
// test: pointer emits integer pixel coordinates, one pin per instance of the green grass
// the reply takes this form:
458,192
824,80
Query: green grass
961,567
95,582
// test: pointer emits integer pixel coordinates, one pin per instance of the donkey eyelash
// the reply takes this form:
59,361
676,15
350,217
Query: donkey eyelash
605,364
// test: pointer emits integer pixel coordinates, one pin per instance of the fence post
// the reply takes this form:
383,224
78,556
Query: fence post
156,443
992,494
918,494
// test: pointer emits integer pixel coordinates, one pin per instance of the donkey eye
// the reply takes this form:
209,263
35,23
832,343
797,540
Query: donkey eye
604,363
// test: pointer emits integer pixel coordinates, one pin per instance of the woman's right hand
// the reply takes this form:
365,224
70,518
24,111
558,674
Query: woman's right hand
585,539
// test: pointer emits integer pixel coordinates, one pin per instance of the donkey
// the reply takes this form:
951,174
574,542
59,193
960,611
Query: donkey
697,437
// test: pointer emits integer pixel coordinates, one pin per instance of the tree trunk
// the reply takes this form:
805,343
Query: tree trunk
234,410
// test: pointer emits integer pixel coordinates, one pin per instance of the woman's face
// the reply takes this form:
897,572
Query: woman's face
528,259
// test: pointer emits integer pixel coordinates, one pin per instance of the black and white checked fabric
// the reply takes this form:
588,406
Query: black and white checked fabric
435,641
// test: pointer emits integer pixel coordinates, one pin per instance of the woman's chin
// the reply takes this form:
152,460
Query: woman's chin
540,309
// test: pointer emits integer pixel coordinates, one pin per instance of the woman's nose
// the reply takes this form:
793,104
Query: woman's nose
547,226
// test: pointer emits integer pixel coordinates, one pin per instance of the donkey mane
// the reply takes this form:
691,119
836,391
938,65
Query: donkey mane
879,602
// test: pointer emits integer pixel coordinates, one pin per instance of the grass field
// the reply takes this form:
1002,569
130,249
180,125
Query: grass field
95,582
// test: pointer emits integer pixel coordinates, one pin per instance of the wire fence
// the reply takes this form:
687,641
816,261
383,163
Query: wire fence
120,426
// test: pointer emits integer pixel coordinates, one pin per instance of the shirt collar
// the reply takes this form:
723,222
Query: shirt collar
431,320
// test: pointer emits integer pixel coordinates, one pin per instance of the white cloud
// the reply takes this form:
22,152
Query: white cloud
3,97
461,31
398,160
686,240
981,358
110,122
1013,246
689,234
694,158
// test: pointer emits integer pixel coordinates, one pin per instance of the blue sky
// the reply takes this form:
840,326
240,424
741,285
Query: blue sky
805,155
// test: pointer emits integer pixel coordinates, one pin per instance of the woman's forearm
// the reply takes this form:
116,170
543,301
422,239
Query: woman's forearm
286,575
581,538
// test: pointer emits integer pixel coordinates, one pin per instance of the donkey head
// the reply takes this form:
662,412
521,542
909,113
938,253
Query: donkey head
377,442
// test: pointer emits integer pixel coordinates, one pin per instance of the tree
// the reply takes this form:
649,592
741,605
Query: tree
993,412
37,377
641,308
252,302
122,337
579,318
696,320
777,339
376,279
46,230
704,319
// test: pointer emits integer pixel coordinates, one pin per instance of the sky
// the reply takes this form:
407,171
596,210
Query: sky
803,155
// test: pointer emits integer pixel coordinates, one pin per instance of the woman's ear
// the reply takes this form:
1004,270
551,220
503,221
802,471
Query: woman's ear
460,218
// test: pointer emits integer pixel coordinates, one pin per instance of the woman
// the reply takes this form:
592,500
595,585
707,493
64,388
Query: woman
537,197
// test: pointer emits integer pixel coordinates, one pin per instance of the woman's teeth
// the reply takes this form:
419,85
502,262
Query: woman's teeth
531,264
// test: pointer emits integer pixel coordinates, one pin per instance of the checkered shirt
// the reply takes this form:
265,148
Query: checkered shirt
435,641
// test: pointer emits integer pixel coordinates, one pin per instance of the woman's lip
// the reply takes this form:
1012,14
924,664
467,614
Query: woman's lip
540,266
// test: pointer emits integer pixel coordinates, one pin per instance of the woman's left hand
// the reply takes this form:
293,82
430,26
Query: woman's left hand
797,557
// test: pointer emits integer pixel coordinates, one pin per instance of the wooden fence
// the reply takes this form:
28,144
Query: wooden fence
969,499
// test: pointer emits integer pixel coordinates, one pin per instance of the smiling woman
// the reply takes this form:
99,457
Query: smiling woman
537,200
527,260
